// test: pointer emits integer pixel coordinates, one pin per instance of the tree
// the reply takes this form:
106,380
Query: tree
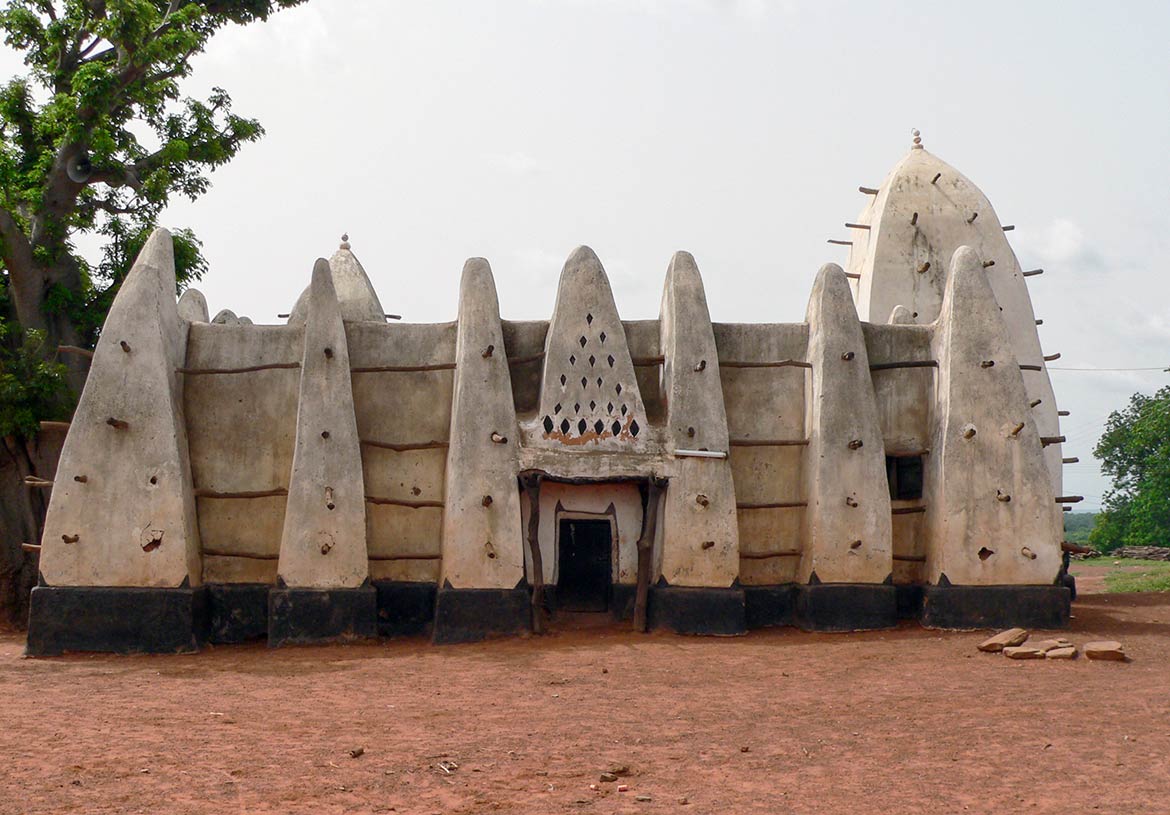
95,138
1135,452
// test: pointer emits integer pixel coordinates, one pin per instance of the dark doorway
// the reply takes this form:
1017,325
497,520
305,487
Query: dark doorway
585,565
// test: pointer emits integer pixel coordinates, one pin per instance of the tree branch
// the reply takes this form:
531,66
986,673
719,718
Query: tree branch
108,206
120,176
23,284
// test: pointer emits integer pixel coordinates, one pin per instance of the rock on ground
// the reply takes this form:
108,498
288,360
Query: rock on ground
1106,650
1022,652
1004,639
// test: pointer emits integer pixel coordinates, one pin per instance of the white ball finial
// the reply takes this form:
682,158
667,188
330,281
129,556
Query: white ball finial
917,138
345,240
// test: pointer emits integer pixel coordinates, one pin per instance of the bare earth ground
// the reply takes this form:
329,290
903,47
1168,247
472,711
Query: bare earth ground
902,721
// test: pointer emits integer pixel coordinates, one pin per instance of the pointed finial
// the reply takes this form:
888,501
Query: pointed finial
917,138
345,240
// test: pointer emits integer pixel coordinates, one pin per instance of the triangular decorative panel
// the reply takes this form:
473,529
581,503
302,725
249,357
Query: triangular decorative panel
589,395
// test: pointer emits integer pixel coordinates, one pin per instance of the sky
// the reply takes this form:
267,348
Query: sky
738,130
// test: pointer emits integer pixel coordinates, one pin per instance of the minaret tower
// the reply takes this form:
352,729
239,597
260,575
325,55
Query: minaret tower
900,253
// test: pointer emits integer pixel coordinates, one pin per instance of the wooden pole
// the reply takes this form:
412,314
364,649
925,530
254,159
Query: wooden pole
650,495
531,484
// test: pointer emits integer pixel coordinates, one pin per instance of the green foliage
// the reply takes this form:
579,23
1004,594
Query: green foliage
88,311
1135,451
32,389
1078,525
95,138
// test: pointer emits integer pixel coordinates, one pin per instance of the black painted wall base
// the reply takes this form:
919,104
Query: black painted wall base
622,598
909,599
115,619
770,606
846,606
405,609
698,610
297,616
237,612
967,607
469,615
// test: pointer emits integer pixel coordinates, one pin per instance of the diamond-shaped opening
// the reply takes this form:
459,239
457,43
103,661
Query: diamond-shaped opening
589,319
557,409
618,388
572,360
623,410
599,381
593,406
577,408
610,360
609,408
548,424
584,382
599,427
565,425
563,380
617,428
602,337
582,341
592,360
582,426
634,428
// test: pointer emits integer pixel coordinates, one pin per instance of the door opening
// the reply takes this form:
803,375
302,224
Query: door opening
585,564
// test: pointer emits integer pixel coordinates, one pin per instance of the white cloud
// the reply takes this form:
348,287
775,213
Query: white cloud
516,162
295,37
1062,244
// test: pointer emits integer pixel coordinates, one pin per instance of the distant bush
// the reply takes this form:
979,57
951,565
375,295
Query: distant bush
1135,452
1078,525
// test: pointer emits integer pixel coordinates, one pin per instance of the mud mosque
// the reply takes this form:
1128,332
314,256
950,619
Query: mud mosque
896,455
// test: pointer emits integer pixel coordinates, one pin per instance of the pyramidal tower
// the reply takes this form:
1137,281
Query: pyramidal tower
900,250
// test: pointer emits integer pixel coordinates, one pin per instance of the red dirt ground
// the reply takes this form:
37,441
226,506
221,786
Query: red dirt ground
902,721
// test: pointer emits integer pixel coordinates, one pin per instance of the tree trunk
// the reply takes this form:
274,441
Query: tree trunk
22,518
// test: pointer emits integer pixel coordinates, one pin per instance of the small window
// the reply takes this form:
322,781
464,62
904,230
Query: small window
905,477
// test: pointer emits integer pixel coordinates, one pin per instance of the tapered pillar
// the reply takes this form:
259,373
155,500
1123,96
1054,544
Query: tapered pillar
846,566
323,591
482,589
700,540
993,524
120,560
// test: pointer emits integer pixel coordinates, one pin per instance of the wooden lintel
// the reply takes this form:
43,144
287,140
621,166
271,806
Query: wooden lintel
73,349
244,370
782,363
402,369
406,446
278,491
772,505
914,363
402,502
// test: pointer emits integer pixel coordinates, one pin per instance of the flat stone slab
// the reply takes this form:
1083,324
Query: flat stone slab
1049,645
1065,652
1004,639
1022,652
1110,650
